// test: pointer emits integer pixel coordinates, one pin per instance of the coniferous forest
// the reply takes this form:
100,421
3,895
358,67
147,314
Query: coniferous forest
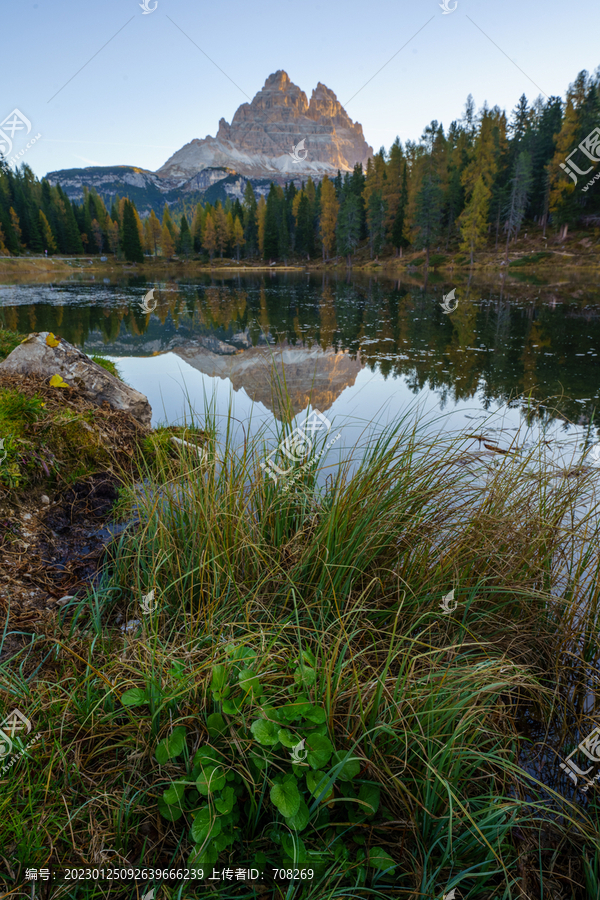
473,187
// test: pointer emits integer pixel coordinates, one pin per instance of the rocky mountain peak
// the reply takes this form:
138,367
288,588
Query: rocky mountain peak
262,134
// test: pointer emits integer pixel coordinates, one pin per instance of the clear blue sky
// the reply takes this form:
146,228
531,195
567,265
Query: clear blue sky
150,90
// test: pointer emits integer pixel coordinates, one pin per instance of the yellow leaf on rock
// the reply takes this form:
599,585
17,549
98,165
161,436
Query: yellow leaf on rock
51,340
57,381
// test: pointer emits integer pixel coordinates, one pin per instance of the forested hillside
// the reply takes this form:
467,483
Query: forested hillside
475,186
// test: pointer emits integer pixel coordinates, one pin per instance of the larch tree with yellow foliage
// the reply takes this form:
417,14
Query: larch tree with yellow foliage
261,216
167,244
220,223
209,236
473,221
238,236
329,213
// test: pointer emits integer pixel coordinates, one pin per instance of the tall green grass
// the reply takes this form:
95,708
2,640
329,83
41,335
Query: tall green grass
330,590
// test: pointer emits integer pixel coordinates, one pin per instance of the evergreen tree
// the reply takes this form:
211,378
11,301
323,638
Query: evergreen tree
250,221
185,242
197,228
521,185
271,238
305,235
427,214
130,237
376,212
348,227
399,240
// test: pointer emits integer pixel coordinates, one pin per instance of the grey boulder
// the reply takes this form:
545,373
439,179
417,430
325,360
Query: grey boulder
36,357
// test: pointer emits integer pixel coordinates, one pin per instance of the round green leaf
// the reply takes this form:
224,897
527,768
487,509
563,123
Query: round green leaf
317,715
215,724
205,825
293,846
285,736
306,676
316,783
203,858
134,697
171,746
266,733
369,793
174,793
225,802
170,813
350,769
319,749
299,820
379,859
249,681
210,779
286,797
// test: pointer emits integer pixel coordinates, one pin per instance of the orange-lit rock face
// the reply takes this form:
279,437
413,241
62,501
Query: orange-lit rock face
263,133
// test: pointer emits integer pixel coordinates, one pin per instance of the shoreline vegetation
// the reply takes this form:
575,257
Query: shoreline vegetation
486,191
580,253
268,679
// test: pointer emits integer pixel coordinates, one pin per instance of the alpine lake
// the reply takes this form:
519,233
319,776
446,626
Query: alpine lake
518,355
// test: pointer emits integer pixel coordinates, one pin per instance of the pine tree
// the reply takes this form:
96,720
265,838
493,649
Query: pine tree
521,185
399,240
130,236
271,236
305,234
348,226
185,243
427,214
197,228
167,244
249,207
376,212
98,235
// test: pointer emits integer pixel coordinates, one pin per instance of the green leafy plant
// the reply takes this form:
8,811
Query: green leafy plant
270,780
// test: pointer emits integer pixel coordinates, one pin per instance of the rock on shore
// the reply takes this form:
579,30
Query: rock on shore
37,355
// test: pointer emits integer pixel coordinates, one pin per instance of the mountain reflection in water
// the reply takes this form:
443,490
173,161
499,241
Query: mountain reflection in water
499,344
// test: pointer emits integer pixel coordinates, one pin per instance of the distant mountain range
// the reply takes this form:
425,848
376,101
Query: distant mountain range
259,146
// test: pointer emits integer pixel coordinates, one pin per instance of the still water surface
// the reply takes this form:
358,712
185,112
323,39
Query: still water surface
358,349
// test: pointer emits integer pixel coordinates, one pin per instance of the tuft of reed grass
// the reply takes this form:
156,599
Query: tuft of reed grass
462,718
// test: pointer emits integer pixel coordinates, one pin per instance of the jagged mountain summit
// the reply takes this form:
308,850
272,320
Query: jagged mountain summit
259,142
